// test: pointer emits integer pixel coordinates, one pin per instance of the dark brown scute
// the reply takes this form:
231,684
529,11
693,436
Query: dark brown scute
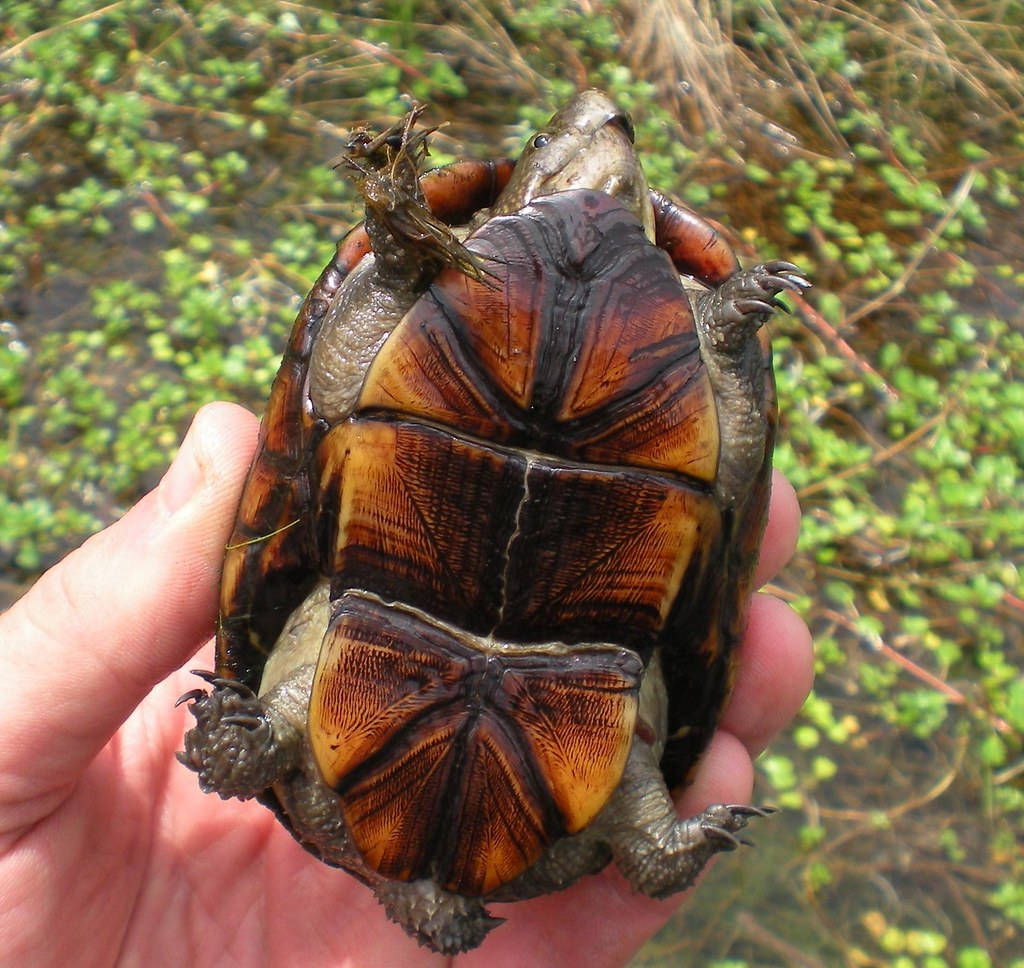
600,554
696,659
487,539
585,349
462,764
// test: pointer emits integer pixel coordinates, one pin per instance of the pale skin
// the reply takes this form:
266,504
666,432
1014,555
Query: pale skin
109,853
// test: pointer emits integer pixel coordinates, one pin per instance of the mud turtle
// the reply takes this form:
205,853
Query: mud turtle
493,555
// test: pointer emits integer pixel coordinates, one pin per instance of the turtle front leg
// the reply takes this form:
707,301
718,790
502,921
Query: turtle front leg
739,368
238,746
694,244
657,852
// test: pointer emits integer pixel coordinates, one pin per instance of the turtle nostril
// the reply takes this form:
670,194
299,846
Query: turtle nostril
625,123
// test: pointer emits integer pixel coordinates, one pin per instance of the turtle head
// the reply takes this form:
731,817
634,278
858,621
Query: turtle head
588,143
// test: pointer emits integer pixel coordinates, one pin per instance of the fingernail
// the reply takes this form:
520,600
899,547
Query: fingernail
185,475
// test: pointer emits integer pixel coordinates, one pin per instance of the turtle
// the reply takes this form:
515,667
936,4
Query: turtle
492,558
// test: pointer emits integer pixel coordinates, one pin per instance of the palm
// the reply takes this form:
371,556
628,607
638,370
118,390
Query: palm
108,849
197,878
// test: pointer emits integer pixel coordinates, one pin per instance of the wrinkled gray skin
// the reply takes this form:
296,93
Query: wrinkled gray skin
241,746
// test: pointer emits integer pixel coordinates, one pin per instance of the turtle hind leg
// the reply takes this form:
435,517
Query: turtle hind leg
446,923
237,748
670,860
658,852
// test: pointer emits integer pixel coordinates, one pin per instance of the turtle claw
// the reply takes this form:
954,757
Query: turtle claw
779,267
750,306
771,278
249,722
221,682
723,839
786,273
749,810
797,283
191,696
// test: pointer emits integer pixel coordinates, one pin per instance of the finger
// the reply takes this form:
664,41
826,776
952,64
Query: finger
725,774
98,630
774,673
782,531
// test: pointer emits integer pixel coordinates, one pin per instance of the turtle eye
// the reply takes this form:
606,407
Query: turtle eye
541,140
625,122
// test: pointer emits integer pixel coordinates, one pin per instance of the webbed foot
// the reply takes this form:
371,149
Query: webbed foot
234,746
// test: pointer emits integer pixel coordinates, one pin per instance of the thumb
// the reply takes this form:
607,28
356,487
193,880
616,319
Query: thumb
86,643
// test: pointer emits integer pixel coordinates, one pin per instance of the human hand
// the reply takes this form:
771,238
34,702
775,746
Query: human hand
109,853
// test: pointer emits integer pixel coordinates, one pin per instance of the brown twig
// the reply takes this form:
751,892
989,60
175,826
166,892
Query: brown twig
956,201
867,817
751,928
39,35
883,455
831,335
382,53
877,644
